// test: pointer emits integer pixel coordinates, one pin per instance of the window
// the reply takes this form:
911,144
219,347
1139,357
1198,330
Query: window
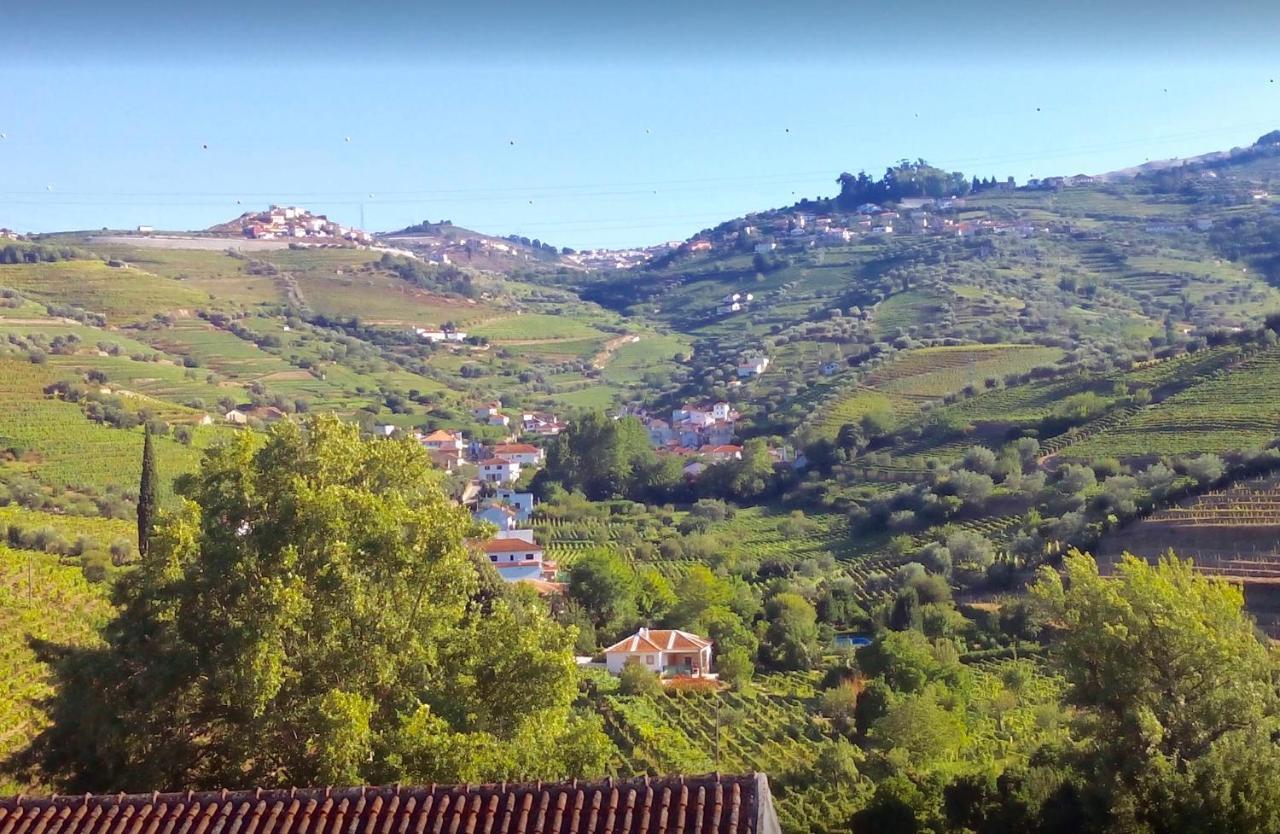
493,558
648,659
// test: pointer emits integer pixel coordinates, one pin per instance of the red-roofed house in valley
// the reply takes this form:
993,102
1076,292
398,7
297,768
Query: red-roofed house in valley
515,558
524,454
441,440
719,454
665,651
499,471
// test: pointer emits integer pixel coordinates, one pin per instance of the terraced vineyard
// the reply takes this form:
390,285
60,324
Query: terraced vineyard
929,374
56,440
1233,532
122,295
1230,410
40,599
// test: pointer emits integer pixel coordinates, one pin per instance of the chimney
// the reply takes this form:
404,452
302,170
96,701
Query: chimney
644,632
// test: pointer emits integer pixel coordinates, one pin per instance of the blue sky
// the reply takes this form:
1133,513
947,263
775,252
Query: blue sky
588,127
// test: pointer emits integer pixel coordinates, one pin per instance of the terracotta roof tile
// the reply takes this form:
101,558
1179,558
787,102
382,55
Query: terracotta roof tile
660,640
675,805
509,546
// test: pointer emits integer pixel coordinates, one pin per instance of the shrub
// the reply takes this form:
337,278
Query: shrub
637,679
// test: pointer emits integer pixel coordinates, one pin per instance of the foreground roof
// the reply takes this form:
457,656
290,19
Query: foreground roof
675,805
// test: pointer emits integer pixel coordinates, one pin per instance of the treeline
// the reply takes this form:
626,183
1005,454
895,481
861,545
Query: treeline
33,253
605,458
906,179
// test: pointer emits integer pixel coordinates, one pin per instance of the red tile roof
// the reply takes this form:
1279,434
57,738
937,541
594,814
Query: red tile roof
676,805
509,546
515,449
660,640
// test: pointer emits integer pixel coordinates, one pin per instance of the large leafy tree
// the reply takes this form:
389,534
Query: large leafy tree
602,457
1177,697
311,616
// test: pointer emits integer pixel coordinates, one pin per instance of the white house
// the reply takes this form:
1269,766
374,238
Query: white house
236,417
765,248
753,366
497,514
521,502
665,651
440,335
524,454
441,441
499,471
515,559
545,424
484,412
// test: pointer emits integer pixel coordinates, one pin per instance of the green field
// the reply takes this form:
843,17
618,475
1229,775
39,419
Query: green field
533,327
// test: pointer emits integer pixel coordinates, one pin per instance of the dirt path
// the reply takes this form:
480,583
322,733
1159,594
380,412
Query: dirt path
610,347
29,321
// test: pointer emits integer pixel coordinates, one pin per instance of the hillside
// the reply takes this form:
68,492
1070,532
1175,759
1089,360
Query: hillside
957,392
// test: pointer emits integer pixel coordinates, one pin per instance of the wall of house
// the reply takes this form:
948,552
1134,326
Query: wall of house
614,661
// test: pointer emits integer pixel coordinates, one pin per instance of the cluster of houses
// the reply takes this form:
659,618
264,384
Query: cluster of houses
502,463
765,234
293,222
454,247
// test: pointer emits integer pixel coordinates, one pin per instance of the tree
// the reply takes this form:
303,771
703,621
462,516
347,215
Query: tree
698,591
837,763
906,610
603,457
311,616
791,638
637,679
146,492
605,585
1179,706
752,474
1205,469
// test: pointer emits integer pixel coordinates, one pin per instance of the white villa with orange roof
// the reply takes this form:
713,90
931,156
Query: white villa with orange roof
665,651
441,441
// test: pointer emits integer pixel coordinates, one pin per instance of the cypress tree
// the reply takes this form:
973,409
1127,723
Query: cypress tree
146,493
